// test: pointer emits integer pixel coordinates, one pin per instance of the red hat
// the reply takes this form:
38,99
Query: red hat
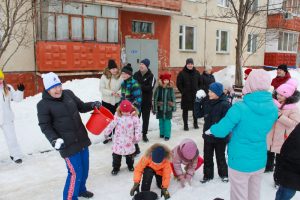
248,71
165,76
125,106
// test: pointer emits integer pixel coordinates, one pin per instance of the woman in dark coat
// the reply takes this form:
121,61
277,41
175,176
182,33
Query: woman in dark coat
207,78
188,83
288,174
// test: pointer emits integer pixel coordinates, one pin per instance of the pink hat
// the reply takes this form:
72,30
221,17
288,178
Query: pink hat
257,80
286,90
292,82
189,149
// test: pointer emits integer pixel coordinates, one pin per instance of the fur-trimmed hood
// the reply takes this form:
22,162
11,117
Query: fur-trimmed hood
170,84
108,74
167,150
290,102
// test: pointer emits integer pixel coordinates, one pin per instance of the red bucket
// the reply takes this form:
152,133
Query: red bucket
99,120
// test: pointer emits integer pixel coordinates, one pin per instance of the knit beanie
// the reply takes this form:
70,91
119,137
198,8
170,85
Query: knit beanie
50,80
112,64
158,154
127,69
283,67
248,71
258,80
1,75
216,88
189,149
286,90
165,76
146,62
125,106
189,61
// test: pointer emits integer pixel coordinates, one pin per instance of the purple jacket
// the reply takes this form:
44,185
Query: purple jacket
178,159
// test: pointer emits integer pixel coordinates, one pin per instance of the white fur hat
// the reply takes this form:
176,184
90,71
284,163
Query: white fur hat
50,80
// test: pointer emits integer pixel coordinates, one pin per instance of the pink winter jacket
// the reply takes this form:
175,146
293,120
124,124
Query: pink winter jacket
128,131
178,159
283,127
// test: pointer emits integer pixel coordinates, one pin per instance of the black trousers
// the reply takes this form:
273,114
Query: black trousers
185,113
219,149
147,179
117,159
270,161
146,109
112,109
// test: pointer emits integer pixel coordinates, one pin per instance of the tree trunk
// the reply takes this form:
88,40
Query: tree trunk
238,62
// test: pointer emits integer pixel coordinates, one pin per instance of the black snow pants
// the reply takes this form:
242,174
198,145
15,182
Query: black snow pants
147,179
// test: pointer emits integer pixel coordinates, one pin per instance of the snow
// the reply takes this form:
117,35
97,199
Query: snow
42,175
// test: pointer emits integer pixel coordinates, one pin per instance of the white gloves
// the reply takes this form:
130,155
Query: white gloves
200,94
208,132
59,144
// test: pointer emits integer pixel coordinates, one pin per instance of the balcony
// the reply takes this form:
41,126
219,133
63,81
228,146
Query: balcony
172,5
277,21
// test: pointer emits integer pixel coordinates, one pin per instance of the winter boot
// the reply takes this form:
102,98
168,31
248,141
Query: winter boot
196,125
86,194
205,180
225,179
145,138
17,161
131,168
186,128
137,150
115,171
167,139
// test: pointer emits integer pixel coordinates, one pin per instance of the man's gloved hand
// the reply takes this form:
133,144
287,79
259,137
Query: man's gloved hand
21,87
58,144
135,188
165,193
96,104
200,94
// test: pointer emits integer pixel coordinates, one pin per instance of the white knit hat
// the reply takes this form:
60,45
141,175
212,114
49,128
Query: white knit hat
50,80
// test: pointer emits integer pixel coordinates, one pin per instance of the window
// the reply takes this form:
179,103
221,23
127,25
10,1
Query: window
254,6
65,21
288,42
252,43
222,41
187,38
223,3
142,27
292,6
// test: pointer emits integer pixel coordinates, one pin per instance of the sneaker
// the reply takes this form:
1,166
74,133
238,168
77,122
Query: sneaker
131,169
86,194
114,172
225,179
167,139
205,180
186,128
145,139
107,141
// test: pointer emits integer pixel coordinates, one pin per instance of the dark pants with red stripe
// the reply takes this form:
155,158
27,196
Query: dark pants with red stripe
78,170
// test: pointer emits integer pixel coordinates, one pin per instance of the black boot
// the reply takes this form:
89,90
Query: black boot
196,125
137,149
17,161
186,128
115,171
145,138
86,194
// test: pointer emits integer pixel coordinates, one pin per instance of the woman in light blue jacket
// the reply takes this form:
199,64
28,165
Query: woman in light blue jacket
249,121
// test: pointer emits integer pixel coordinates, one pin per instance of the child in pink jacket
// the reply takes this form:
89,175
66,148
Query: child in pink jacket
185,153
285,97
127,133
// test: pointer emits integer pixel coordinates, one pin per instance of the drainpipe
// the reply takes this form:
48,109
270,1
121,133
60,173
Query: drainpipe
205,25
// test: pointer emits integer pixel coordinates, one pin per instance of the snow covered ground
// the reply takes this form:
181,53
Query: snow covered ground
42,175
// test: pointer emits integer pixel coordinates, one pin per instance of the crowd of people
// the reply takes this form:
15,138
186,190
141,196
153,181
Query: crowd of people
260,131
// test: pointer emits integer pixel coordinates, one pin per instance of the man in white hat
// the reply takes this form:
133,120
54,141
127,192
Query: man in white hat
60,121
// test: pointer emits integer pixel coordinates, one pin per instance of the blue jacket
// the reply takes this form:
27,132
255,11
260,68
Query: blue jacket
249,121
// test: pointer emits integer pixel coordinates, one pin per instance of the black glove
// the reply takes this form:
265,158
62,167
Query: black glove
135,188
21,87
96,104
165,193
